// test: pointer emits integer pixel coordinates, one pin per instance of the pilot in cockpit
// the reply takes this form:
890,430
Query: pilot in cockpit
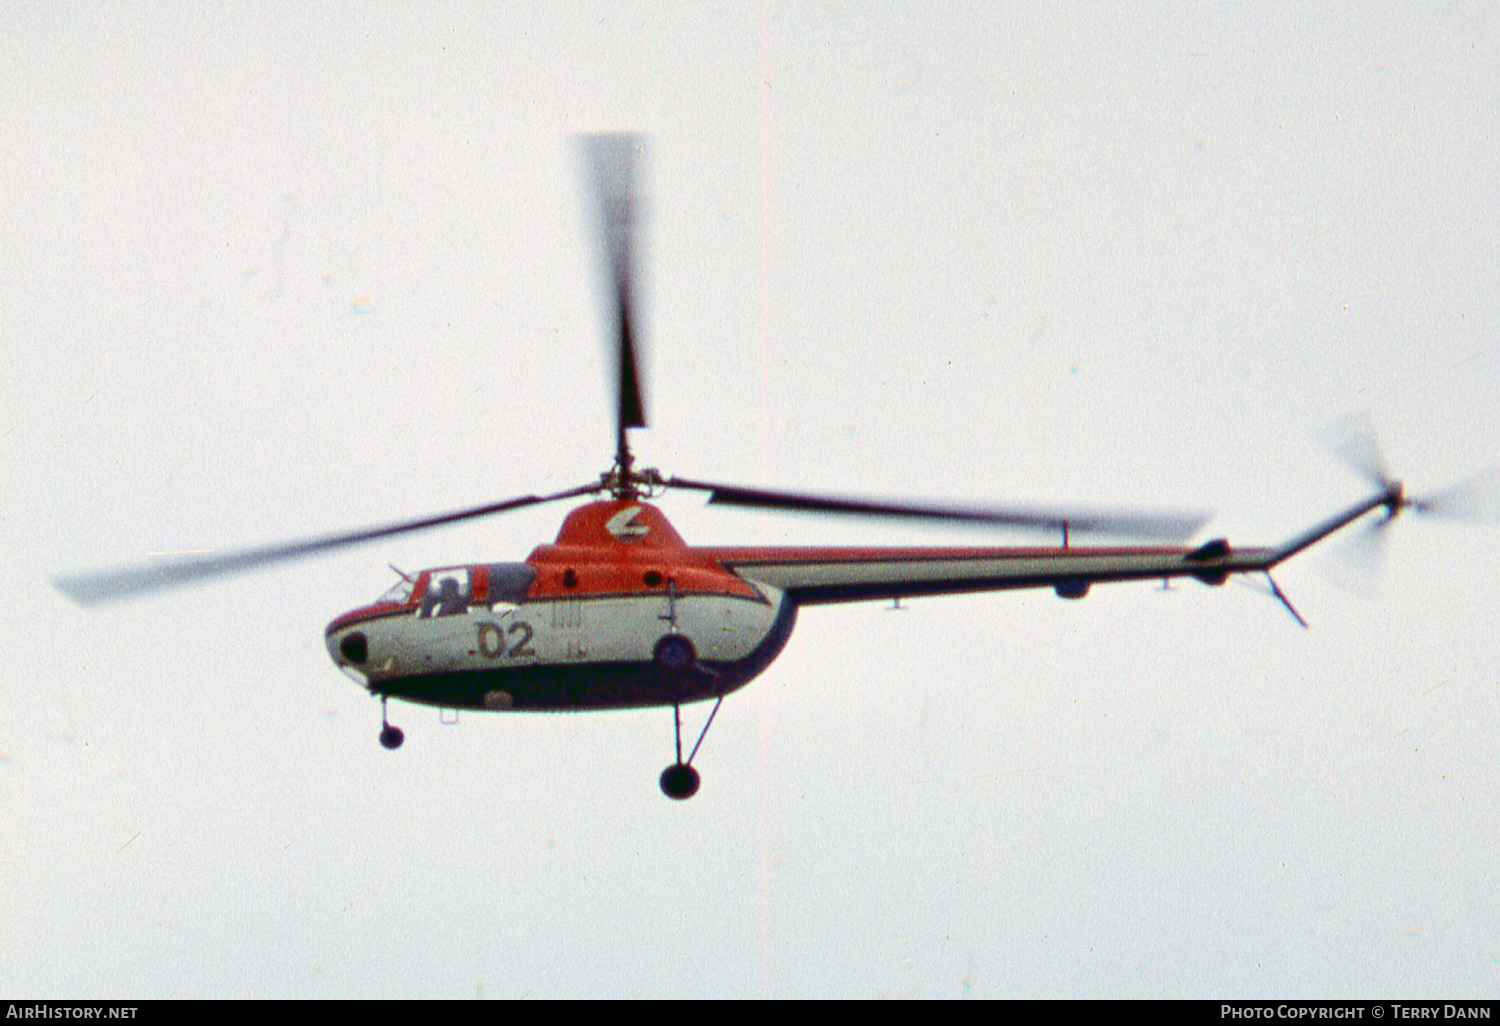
448,600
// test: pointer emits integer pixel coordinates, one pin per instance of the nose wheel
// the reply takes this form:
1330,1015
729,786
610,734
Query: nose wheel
391,737
679,781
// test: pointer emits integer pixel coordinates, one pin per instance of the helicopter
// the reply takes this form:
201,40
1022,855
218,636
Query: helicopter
620,612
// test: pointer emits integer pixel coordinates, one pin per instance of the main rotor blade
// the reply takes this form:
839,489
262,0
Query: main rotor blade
1162,524
612,167
93,588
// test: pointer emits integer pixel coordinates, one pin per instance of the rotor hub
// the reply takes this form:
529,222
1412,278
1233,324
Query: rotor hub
626,484
1395,499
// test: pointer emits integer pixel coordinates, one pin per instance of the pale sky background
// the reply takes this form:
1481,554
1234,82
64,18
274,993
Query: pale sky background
269,272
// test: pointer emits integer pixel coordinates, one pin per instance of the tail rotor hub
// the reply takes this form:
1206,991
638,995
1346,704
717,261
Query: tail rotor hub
1395,499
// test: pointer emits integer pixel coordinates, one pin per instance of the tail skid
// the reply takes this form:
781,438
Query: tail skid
1281,595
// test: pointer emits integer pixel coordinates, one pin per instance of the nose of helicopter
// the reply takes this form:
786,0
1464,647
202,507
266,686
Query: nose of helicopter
348,647
351,647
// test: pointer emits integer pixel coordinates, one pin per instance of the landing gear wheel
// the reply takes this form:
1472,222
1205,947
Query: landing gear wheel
674,653
679,781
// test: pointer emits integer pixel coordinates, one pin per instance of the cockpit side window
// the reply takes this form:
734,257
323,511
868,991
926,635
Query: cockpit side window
447,592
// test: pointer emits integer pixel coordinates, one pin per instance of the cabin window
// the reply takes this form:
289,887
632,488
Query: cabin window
509,582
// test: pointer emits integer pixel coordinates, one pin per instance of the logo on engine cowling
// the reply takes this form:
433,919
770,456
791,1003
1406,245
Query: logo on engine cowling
625,527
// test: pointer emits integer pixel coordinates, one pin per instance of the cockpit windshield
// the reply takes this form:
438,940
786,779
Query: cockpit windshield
400,592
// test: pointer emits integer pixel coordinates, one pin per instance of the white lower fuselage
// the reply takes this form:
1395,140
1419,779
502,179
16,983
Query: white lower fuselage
564,653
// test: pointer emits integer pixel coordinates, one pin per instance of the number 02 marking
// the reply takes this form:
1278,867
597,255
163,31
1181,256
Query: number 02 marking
492,642
521,647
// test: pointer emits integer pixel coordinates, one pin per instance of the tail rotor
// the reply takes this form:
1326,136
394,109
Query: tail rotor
1475,499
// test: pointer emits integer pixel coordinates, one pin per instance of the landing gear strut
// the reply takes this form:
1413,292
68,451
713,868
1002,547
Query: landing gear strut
679,781
390,736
